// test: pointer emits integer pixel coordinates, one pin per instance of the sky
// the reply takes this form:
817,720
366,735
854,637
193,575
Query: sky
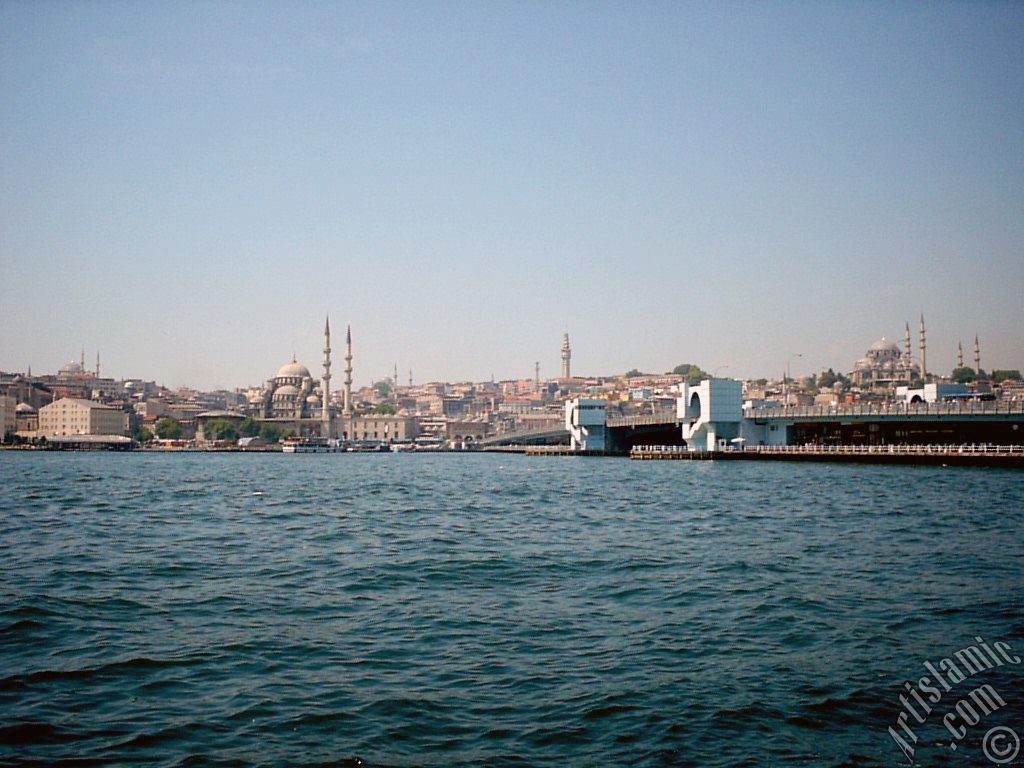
190,188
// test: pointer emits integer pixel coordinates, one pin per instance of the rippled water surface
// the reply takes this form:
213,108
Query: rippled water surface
492,610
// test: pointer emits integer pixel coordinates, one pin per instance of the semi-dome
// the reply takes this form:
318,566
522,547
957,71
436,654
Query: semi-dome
24,408
293,370
313,400
286,390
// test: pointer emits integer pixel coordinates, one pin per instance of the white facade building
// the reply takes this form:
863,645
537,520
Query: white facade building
72,416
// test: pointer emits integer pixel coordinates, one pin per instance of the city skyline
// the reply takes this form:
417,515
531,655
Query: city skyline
189,189
915,350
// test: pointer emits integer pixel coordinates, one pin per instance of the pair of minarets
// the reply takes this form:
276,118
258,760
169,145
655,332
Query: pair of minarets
921,347
325,405
82,363
959,351
977,355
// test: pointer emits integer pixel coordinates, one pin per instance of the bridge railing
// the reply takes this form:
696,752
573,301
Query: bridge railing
889,409
526,434
660,416
967,449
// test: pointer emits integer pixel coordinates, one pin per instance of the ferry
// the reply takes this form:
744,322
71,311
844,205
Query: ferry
312,445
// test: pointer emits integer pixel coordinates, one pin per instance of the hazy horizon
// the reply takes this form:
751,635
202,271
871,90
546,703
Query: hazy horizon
191,187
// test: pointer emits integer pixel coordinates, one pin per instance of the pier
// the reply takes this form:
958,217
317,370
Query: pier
941,455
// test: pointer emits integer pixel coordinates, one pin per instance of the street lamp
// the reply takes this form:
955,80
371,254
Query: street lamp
786,382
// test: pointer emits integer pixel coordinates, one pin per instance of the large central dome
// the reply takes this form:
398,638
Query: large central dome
883,345
293,370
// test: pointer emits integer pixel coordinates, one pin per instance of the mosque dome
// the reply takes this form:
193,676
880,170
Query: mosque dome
313,400
72,367
293,370
883,345
286,390
24,408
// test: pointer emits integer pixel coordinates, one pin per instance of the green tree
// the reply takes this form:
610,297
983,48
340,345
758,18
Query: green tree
386,409
633,373
270,432
142,435
168,428
828,378
382,388
1002,374
694,374
220,429
964,375
249,428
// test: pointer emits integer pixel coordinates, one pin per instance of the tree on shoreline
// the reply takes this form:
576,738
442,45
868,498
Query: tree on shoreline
168,429
220,429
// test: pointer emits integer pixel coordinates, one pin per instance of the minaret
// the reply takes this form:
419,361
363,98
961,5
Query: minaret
959,355
325,396
410,378
394,377
566,356
83,360
906,342
924,363
536,376
348,371
97,363
977,356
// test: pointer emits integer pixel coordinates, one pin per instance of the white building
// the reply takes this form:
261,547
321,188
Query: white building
711,413
934,392
72,416
585,421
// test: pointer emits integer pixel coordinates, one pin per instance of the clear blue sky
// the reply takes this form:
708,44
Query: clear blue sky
190,187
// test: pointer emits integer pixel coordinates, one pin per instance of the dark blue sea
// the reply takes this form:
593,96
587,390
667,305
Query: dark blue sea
496,610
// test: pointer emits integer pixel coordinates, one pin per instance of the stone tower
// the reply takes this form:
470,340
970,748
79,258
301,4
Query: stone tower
977,356
959,355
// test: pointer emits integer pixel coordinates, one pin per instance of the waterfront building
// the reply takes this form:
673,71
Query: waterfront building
26,420
380,428
74,416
